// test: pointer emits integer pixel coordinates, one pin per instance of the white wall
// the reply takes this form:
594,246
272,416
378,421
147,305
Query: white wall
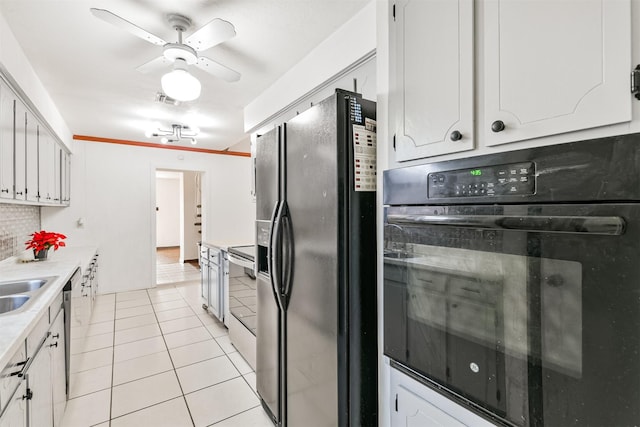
353,41
113,189
14,64
168,211
382,115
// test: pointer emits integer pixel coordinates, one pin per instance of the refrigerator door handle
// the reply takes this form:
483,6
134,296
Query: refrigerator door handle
274,216
288,258
275,254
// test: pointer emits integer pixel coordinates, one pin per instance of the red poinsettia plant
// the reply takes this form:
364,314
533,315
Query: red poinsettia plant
43,240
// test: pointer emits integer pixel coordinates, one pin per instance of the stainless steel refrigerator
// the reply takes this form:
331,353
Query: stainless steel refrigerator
316,245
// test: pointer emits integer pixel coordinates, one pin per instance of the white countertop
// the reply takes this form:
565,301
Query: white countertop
224,245
15,327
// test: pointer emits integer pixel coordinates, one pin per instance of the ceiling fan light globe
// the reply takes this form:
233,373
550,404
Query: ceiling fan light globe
181,85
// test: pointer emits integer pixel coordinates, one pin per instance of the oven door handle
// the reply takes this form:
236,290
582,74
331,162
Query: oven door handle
600,225
239,261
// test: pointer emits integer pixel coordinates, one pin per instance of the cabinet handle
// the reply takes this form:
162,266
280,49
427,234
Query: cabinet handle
19,373
497,126
4,190
28,396
55,344
55,336
19,193
455,136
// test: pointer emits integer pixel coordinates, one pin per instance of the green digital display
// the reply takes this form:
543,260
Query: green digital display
475,172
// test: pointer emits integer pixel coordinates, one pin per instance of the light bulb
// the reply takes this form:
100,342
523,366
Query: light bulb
193,141
181,85
164,140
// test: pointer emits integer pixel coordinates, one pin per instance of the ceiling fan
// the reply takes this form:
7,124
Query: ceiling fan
179,84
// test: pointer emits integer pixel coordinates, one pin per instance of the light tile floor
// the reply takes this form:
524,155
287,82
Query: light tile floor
155,358
176,272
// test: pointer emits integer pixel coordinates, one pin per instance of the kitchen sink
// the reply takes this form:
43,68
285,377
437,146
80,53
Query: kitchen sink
12,302
15,293
22,286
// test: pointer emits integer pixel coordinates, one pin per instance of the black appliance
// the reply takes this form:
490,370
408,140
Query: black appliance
512,282
316,249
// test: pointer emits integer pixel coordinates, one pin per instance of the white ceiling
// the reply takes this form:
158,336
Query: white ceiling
89,66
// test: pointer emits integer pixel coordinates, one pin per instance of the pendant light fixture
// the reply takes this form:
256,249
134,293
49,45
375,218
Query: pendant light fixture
176,133
180,84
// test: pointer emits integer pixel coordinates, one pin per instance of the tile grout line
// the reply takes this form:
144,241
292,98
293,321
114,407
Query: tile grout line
113,362
175,372
183,296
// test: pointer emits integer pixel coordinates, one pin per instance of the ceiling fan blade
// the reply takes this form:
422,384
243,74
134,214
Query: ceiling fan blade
215,68
211,34
154,65
114,19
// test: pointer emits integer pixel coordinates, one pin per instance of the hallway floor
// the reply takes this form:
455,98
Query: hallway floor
155,358
169,270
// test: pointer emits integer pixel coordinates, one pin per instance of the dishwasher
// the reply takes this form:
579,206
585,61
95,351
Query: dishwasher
66,294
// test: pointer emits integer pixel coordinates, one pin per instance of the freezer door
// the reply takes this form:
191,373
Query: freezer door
268,331
311,189
267,174
268,347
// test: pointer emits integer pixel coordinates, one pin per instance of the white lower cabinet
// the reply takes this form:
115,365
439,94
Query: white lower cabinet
15,414
41,394
39,386
58,368
416,405
46,377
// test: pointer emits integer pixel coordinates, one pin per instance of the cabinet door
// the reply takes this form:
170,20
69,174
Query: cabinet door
214,290
16,413
415,405
413,411
66,178
31,143
204,280
57,174
6,141
46,176
39,382
20,146
432,83
555,66
58,368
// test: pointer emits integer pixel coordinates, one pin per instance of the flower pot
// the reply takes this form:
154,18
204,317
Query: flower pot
40,255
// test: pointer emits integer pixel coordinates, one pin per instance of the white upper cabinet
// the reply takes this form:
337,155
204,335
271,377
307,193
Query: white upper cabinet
32,158
432,77
34,168
544,67
57,174
555,66
20,164
6,141
46,154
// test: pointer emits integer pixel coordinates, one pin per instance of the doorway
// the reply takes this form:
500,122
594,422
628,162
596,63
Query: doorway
178,225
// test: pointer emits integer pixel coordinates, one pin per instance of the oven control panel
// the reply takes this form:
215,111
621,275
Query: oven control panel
514,179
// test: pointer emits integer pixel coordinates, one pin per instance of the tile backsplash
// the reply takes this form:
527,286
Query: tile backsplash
17,222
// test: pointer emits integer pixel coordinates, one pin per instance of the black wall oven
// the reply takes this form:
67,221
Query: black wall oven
512,282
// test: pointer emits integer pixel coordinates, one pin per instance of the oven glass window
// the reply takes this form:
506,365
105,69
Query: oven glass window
535,328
